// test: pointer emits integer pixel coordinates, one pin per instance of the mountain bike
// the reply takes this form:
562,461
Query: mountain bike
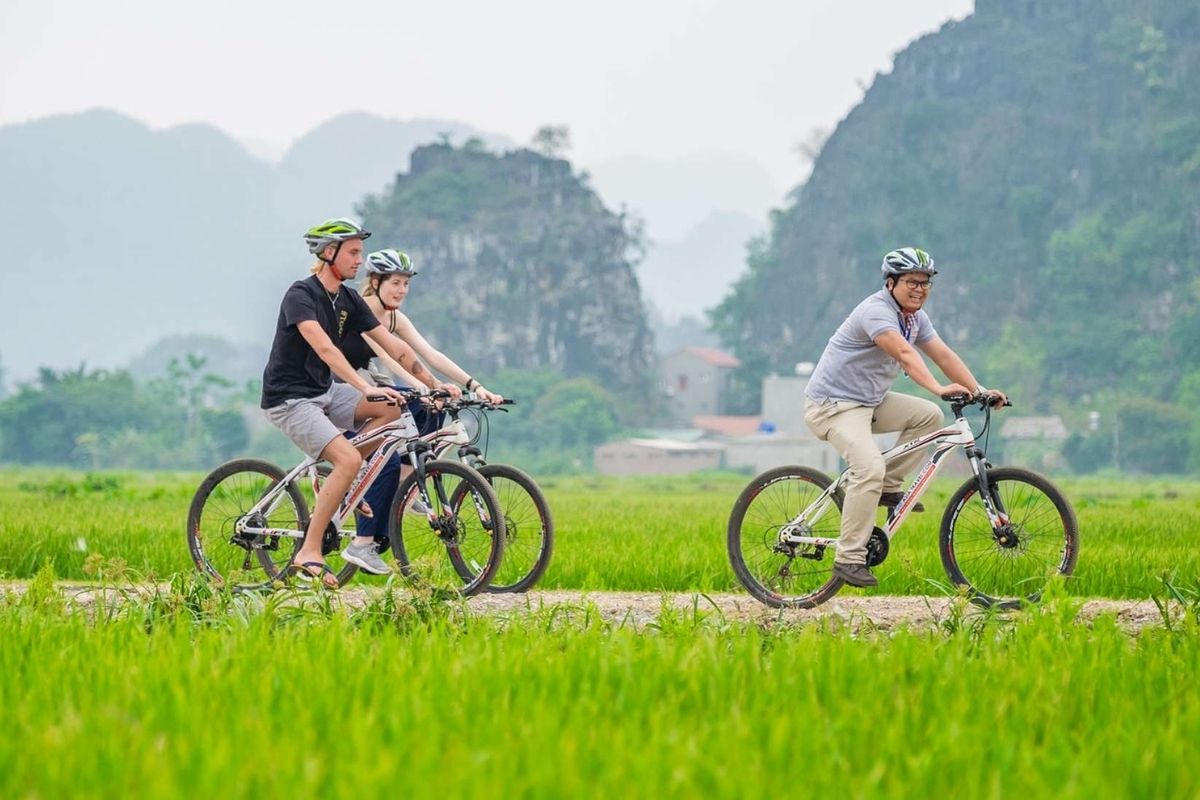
528,525
1005,532
248,518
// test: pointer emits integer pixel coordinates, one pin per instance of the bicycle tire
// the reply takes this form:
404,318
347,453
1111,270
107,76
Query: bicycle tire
528,529
1026,556
768,502
427,555
223,497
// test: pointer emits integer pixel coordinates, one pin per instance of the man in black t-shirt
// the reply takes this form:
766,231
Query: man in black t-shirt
299,394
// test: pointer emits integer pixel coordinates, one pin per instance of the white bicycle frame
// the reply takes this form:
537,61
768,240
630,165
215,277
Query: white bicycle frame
395,434
957,435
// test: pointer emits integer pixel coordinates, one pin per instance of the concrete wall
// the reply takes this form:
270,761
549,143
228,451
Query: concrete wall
783,403
630,458
763,451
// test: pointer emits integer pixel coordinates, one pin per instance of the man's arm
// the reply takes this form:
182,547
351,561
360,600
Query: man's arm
324,347
896,346
949,362
955,369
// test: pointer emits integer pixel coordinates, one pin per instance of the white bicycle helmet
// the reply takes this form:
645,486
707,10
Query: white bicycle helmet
906,260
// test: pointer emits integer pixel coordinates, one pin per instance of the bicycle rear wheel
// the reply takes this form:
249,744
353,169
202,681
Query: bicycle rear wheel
431,548
1010,565
226,496
776,573
528,529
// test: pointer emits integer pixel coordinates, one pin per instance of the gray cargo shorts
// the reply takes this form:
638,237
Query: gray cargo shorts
313,422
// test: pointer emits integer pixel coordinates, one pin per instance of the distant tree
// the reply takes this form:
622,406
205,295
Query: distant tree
1152,437
3,381
810,146
576,415
64,417
474,145
552,141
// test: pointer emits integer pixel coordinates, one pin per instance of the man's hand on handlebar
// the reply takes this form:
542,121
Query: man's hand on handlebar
386,394
997,398
954,390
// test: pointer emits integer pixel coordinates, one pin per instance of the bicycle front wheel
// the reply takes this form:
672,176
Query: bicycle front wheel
456,546
226,497
776,572
1010,564
528,528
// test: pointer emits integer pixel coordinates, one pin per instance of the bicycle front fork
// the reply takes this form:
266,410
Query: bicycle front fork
992,503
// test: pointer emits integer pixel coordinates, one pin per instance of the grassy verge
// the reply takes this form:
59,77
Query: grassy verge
195,695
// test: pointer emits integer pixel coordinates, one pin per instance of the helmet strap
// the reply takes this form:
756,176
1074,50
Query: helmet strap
330,261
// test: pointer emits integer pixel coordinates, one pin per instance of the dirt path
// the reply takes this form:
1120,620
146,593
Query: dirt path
640,608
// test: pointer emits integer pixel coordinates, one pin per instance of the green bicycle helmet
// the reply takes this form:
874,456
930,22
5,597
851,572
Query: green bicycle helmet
333,231
390,262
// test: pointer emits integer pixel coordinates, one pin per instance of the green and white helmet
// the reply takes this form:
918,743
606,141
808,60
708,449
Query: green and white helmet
333,231
905,260
390,262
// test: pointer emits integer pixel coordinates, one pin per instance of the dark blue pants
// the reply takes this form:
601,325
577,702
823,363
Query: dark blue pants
383,490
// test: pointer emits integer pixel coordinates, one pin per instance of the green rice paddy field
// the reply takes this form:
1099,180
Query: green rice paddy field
618,534
189,694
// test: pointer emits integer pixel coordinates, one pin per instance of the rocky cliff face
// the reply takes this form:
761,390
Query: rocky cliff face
1047,152
520,263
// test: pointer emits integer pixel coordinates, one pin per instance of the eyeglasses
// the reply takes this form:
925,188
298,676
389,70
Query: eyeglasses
923,285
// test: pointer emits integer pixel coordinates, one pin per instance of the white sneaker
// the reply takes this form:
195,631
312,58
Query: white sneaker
366,557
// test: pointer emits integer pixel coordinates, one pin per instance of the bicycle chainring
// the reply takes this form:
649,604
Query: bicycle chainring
331,542
877,547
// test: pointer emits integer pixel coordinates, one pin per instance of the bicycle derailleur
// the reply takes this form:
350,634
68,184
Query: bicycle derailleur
253,541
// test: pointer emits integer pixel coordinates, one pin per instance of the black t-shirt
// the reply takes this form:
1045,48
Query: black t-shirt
357,352
294,369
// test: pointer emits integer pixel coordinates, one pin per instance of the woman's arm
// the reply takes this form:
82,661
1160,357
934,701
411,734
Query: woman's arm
439,360
396,353
395,368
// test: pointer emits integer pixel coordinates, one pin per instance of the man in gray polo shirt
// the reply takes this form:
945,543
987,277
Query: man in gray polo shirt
847,399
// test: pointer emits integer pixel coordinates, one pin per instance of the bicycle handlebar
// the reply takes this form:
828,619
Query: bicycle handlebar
442,394
986,400
474,402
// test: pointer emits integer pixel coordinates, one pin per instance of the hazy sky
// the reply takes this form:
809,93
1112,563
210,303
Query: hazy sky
653,78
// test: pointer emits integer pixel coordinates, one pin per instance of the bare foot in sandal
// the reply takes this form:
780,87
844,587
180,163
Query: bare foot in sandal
317,570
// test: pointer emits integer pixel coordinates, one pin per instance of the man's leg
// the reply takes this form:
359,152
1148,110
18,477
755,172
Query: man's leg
913,417
351,409
346,462
849,431
306,422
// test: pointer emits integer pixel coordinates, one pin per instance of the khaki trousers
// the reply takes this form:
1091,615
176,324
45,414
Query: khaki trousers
848,427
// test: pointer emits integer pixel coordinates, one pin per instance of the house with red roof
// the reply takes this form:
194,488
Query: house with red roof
697,379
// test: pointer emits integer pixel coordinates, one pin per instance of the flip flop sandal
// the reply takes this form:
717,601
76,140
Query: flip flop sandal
315,571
